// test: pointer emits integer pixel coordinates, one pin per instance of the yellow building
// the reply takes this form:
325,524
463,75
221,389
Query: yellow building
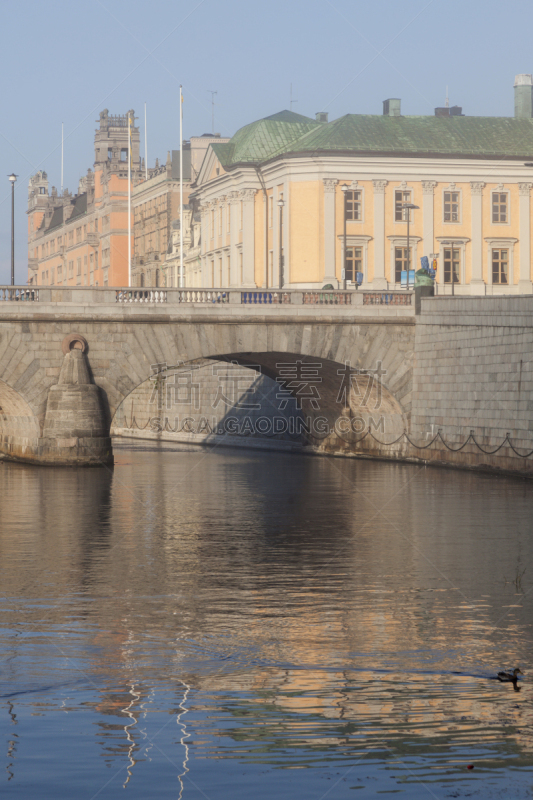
273,208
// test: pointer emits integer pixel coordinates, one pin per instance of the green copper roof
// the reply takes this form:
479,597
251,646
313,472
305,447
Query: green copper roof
289,133
262,140
483,136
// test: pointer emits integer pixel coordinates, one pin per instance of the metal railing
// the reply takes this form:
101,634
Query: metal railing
385,298
265,298
327,298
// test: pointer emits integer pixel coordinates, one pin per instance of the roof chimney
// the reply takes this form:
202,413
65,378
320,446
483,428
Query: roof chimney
392,107
523,96
446,111
321,116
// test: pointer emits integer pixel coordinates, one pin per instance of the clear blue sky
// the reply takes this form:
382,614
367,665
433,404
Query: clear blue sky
64,61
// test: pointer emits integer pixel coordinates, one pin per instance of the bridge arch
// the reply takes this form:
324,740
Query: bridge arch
19,427
335,404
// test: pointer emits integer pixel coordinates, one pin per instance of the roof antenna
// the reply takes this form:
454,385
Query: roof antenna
292,101
447,100
212,93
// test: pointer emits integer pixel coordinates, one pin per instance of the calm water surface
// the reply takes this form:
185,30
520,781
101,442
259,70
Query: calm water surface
226,624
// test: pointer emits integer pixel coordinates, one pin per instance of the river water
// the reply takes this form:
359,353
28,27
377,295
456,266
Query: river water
227,624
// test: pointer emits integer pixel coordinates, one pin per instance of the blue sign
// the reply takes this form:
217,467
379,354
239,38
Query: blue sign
411,278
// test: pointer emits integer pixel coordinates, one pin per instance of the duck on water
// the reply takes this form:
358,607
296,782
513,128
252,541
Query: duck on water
511,677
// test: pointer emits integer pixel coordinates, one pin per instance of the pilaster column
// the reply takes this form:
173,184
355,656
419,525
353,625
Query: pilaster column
379,281
525,286
428,191
204,210
233,227
248,238
477,284
329,232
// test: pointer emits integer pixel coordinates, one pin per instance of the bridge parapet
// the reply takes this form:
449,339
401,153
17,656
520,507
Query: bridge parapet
389,302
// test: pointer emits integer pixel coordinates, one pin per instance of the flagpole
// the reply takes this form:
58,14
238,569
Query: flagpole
145,147
129,199
181,190
62,142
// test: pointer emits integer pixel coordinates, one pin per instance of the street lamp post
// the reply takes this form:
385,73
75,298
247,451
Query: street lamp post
344,188
12,178
409,207
281,204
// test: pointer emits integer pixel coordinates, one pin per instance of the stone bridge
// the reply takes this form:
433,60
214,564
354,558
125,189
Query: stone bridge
122,338
456,378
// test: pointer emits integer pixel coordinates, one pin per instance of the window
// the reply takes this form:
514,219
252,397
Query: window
71,237
78,234
241,266
70,268
500,269
91,261
157,277
270,267
354,262
228,218
142,279
220,221
123,153
96,226
451,259
220,283
52,276
42,190
270,210
228,270
451,206
110,152
78,266
400,197
96,260
499,207
400,263
354,205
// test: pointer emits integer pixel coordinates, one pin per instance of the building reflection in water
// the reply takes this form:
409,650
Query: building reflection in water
299,615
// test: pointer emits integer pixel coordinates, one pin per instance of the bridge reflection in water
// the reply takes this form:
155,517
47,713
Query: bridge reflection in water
263,623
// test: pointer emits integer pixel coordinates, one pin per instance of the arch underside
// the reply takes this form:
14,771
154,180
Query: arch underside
19,427
336,402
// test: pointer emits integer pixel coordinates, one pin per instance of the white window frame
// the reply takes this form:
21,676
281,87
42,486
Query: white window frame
502,243
401,241
458,243
500,189
403,187
453,188
355,187
356,240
